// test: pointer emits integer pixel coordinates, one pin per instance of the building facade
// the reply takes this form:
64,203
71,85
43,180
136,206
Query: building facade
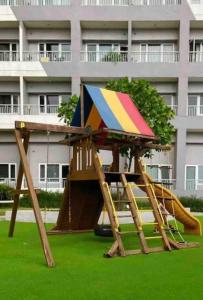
49,47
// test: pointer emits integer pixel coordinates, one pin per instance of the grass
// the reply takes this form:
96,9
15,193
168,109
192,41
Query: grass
81,272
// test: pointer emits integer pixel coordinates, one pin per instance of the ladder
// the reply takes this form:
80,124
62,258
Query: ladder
135,213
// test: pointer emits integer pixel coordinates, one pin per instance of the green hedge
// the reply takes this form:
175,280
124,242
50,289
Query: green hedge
46,199
195,204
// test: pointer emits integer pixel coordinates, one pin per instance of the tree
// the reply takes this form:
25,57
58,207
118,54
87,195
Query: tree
67,109
152,107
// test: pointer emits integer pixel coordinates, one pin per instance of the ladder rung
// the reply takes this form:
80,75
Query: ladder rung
125,216
121,201
153,237
128,232
164,198
150,223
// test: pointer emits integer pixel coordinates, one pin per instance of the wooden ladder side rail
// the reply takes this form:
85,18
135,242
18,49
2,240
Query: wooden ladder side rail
34,199
118,244
135,213
18,187
154,204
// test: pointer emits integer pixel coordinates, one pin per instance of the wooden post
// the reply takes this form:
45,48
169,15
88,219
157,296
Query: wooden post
82,105
18,187
35,204
115,164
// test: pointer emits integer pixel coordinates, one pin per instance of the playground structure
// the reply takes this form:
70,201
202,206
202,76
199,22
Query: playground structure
104,120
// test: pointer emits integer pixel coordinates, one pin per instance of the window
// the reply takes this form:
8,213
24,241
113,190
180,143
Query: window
55,51
160,173
100,52
53,175
9,104
49,104
171,101
7,173
195,105
194,177
8,51
155,52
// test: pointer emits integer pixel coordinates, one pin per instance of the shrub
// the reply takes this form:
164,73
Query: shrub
195,204
6,193
46,199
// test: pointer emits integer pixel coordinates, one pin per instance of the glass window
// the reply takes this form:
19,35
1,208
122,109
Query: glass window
65,98
192,99
65,47
53,172
200,174
153,171
4,171
12,171
42,172
154,53
5,99
165,172
52,100
4,47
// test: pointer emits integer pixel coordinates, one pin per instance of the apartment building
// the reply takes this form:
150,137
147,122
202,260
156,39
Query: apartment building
49,47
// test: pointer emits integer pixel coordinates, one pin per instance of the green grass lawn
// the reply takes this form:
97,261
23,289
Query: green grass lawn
81,272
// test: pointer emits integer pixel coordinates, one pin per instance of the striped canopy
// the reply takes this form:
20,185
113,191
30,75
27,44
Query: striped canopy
113,110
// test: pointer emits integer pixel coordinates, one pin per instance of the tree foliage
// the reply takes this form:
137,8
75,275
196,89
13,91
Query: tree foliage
67,109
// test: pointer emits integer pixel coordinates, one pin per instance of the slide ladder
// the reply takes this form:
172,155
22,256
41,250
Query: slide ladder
135,213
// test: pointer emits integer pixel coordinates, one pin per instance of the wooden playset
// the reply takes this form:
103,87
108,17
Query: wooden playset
104,120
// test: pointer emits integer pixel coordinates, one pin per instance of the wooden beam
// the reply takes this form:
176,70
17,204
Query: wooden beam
18,187
35,204
24,191
30,126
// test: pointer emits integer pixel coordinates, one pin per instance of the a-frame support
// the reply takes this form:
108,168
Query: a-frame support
25,169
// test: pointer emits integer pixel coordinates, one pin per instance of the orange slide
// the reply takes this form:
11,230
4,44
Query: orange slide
191,224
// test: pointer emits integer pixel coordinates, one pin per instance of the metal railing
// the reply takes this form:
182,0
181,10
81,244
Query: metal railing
195,110
9,109
129,2
34,109
9,56
155,2
8,181
63,56
35,2
167,183
193,185
196,56
104,56
105,2
47,183
155,57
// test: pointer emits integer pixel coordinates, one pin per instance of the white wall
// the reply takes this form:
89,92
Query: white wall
48,34
101,34
155,35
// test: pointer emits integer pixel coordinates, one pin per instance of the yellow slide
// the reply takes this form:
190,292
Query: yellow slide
191,224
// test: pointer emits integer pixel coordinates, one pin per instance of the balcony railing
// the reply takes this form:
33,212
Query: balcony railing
195,110
8,181
167,183
194,185
64,56
34,109
155,57
9,109
155,2
104,56
9,56
196,56
129,2
35,2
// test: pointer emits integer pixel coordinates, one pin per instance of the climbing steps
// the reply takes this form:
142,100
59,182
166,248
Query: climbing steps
135,213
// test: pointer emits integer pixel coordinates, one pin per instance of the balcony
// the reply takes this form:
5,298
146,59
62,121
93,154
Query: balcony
104,56
195,110
35,2
34,109
49,56
129,2
155,57
9,109
9,56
